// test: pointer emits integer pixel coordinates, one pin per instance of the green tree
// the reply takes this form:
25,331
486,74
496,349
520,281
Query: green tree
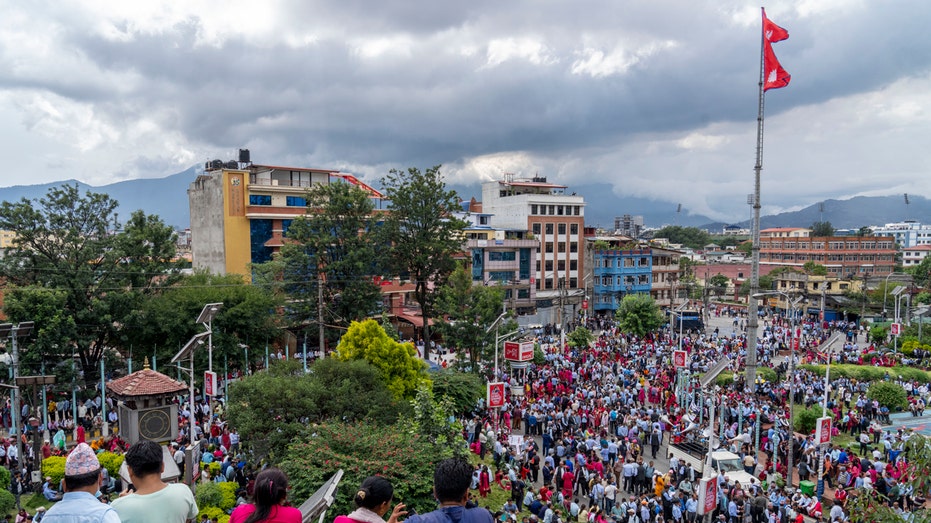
580,337
335,239
97,271
423,234
821,229
804,420
718,283
638,314
164,321
888,394
921,273
467,311
814,268
361,449
746,248
688,236
766,283
401,369
864,231
463,389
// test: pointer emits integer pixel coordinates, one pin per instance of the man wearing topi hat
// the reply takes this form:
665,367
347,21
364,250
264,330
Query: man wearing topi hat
82,481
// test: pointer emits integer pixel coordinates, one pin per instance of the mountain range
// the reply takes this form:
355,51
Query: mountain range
167,198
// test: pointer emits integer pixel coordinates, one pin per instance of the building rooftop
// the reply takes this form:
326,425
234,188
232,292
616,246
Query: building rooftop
145,382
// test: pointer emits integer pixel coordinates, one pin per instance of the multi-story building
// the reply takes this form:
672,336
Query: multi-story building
819,294
240,212
842,255
628,225
555,219
497,257
626,267
907,234
912,256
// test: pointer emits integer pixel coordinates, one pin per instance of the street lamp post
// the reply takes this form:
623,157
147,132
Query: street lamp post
897,294
14,332
206,317
188,351
885,292
824,412
791,307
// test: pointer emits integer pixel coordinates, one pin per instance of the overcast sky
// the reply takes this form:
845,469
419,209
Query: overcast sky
658,98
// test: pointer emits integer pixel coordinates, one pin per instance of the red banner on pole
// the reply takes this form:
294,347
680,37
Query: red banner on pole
823,430
210,383
495,395
679,358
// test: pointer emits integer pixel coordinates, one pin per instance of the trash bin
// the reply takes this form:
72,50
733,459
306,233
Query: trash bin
807,487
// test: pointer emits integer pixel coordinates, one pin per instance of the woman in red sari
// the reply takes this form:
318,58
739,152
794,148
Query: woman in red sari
484,482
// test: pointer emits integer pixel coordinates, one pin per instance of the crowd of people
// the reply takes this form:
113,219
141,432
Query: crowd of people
598,420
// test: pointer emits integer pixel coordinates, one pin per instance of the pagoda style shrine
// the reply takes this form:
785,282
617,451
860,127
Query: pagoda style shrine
145,407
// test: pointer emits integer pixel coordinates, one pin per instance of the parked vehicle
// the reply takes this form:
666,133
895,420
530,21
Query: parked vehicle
721,461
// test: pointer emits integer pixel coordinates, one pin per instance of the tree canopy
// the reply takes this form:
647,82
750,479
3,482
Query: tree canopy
467,311
78,273
401,369
638,314
423,234
819,229
688,236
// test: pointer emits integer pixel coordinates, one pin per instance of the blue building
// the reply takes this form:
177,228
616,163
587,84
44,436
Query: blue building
617,273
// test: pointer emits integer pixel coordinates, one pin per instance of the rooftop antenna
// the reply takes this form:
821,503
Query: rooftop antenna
821,210
906,206
678,212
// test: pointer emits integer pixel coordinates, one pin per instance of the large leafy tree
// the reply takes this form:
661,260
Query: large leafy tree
820,229
638,314
74,271
468,310
689,236
401,369
423,234
335,241
921,273
163,322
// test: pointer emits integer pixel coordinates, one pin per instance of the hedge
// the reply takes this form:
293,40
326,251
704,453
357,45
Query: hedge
111,461
212,512
7,502
888,394
870,373
54,467
5,479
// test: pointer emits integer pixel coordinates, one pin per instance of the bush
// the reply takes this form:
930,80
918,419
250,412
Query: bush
213,468
870,373
209,495
228,489
212,512
54,467
804,419
4,479
7,502
111,461
462,388
888,394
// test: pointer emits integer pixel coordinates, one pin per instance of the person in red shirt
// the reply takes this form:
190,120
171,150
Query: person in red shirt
269,504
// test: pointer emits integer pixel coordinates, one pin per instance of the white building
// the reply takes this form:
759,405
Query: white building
907,234
912,256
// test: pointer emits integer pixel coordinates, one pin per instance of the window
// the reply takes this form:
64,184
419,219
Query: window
502,256
573,246
576,210
549,265
295,201
561,228
561,247
573,228
573,283
552,211
559,210
573,265
549,228
533,209
548,247
561,266
536,229
260,199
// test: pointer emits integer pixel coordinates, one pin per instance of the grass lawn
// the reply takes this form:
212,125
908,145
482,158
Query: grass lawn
31,502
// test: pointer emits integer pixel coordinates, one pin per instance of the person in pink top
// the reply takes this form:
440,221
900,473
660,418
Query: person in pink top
269,499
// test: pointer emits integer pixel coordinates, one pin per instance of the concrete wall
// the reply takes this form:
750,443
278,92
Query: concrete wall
205,196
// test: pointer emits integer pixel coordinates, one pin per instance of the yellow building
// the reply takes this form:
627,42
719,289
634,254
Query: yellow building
240,211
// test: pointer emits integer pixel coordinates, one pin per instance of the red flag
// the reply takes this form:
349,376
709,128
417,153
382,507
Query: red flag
771,32
774,76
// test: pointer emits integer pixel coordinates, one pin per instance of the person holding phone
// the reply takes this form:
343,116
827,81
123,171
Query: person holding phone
373,500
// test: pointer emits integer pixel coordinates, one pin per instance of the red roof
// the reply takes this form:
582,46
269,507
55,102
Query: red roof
145,382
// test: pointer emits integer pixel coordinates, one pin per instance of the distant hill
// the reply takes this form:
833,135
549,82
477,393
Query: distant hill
167,198
854,213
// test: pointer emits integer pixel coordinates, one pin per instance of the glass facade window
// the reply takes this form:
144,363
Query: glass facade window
502,256
536,229
501,276
260,199
295,201
573,228
549,228
561,228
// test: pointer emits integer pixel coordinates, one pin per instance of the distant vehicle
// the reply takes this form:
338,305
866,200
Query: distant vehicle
691,320
721,461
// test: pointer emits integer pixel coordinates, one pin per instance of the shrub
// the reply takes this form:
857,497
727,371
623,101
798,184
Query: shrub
111,461
7,502
228,490
4,479
54,467
212,512
209,495
888,394
804,419
213,468
766,373
870,373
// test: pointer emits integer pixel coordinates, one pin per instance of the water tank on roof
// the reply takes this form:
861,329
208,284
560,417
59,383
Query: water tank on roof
216,164
232,164
244,156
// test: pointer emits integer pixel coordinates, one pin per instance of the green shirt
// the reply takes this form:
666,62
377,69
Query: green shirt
172,504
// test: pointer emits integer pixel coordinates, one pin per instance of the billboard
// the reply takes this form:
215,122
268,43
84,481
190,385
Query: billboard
522,351
210,383
823,430
895,329
495,395
679,358
707,495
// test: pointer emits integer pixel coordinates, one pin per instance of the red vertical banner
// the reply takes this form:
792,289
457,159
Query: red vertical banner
679,358
707,495
495,395
823,430
210,383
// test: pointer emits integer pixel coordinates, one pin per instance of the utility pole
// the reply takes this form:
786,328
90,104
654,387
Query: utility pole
319,321
14,332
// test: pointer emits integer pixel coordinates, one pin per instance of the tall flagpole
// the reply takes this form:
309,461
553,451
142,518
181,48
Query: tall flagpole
752,312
